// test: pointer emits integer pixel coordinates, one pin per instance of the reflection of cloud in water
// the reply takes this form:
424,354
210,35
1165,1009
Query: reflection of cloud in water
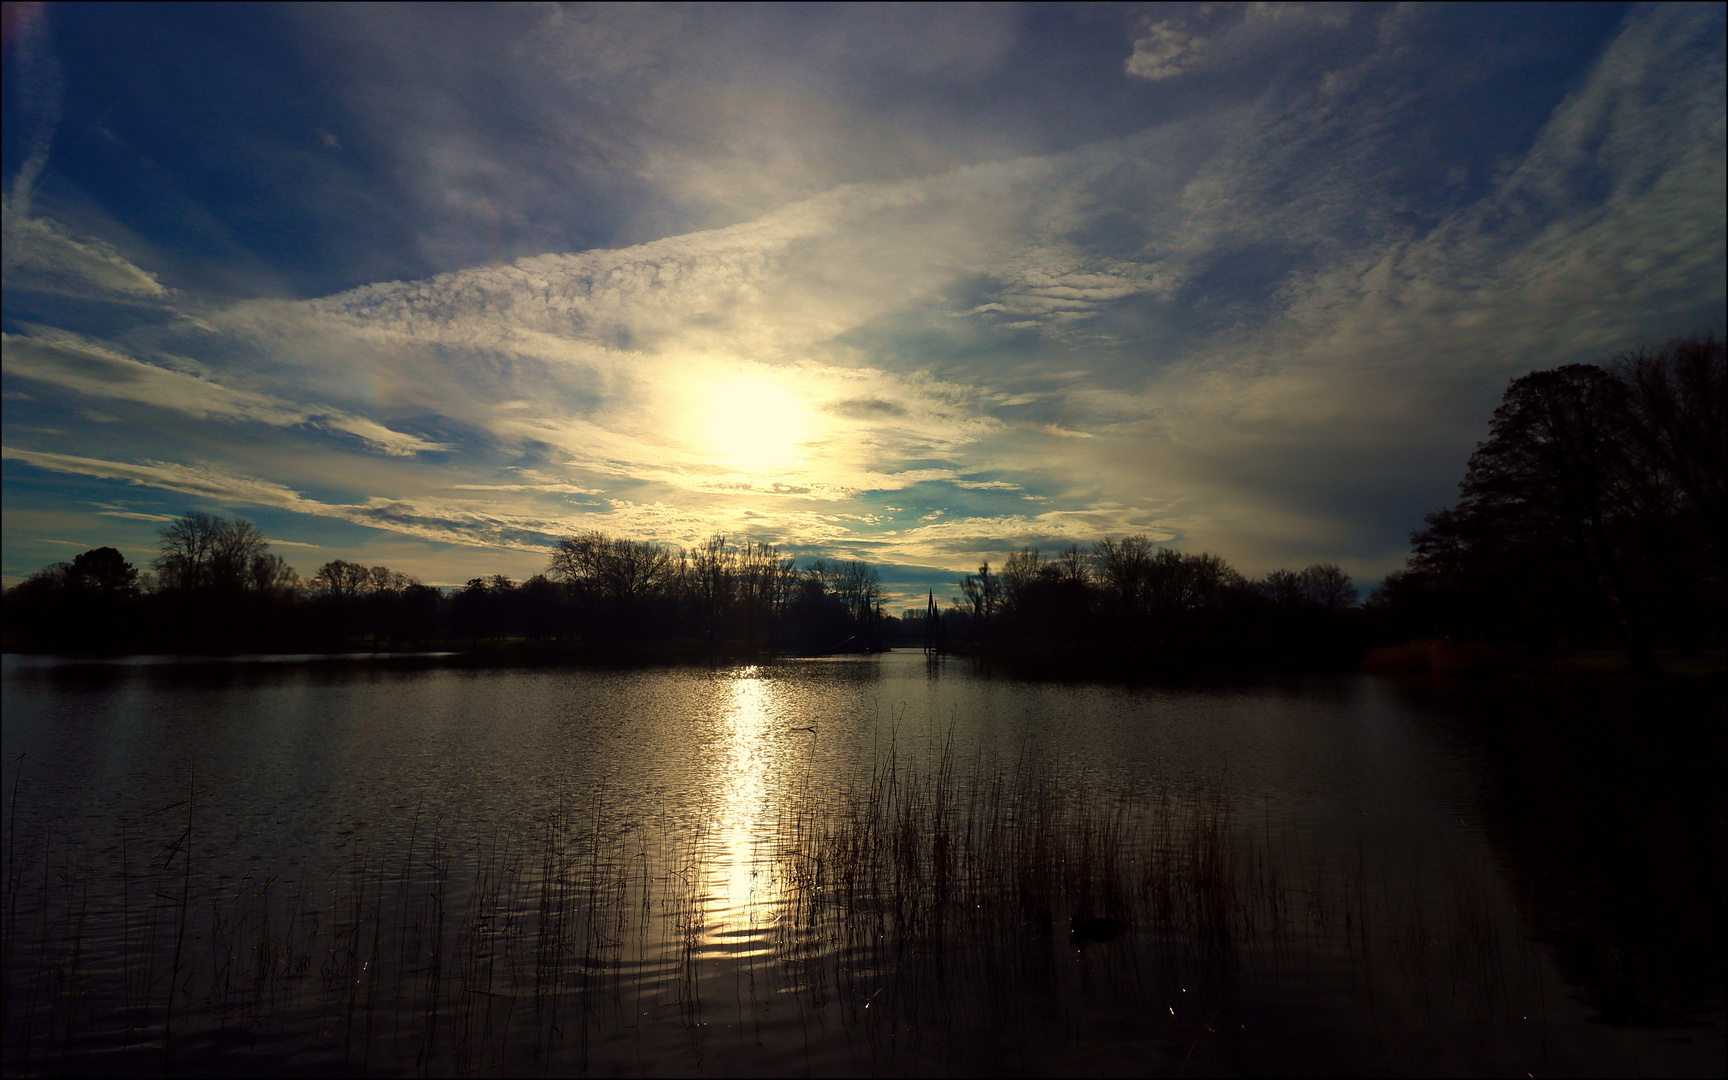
732,881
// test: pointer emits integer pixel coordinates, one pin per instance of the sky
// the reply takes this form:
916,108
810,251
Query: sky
432,286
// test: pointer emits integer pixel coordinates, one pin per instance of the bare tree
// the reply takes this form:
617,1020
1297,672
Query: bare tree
983,591
1123,568
272,576
341,579
1074,565
766,583
1678,423
859,588
203,551
614,567
1020,575
187,544
1326,585
238,543
383,581
713,568
616,578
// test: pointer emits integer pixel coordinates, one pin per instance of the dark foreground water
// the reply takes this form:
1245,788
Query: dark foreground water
853,866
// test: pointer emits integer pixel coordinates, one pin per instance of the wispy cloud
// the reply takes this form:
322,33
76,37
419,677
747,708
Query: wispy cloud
137,515
1252,287
49,255
86,367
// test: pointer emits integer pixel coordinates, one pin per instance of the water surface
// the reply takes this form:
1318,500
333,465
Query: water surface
367,867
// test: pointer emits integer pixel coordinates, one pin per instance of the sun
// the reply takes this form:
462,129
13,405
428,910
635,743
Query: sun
755,425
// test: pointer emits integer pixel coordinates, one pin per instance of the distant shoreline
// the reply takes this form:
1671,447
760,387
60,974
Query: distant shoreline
1426,658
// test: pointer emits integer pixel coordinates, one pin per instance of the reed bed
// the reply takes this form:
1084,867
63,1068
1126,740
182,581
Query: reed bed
937,918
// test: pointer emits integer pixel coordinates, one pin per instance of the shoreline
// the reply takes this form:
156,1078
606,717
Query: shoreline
1428,658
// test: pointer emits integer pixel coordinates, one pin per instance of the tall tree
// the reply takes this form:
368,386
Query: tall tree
1552,474
1677,399
1598,497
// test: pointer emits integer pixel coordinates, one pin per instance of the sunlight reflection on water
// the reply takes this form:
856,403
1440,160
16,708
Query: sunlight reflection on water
736,910
604,871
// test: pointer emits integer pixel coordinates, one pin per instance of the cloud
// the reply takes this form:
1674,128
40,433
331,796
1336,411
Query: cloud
1061,432
134,515
954,540
36,251
46,255
446,523
1161,53
615,358
458,522
865,408
565,489
1236,33
202,481
1264,312
69,361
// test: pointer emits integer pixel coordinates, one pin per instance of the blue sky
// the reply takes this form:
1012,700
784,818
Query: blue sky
430,286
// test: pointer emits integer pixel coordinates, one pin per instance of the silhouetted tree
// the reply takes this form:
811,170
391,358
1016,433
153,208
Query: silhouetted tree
712,579
1678,397
340,579
1596,501
371,602
420,611
617,584
103,572
1677,477
219,585
202,551
270,575
1549,475
1049,599
767,584
835,607
983,593
88,604
188,545
485,608
1122,570
1323,586
541,607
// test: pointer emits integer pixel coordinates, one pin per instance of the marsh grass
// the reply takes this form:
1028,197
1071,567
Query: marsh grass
949,916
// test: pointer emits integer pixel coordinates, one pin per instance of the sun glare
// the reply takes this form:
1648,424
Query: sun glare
755,425
738,893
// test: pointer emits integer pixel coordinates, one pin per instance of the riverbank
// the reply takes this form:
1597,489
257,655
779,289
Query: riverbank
1039,661
1447,657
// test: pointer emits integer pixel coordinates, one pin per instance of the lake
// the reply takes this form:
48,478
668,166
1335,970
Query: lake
879,865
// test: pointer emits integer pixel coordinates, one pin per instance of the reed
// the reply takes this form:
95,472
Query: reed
937,855
925,896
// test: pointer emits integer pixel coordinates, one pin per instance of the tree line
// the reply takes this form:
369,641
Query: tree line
215,586
1594,513
1131,600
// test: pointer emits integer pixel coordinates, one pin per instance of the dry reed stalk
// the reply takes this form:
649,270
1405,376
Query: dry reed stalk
890,892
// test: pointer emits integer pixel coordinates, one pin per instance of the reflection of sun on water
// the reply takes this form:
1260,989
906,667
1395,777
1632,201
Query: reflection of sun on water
754,425
743,791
